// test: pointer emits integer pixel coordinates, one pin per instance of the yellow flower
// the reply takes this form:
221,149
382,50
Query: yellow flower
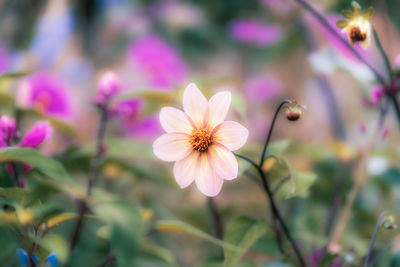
357,26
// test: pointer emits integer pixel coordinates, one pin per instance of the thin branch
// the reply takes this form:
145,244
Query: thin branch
110,257
274,208
371,245
270,131
216,218
383,54
93,173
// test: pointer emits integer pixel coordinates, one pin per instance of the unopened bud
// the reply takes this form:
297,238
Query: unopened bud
294,111
108,87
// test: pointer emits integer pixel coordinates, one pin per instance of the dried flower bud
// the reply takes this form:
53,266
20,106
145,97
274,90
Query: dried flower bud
294,111
389,223
357,26
8,128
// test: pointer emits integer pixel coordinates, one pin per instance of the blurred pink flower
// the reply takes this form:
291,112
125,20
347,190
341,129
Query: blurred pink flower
40,132
8,129
261,88
397,61
376,94
254,32
108,87
200,141
4,60
45,93
128,113
159,61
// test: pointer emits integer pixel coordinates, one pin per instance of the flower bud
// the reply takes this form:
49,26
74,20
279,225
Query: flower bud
40,132
294,111
108,87
389,223
8,128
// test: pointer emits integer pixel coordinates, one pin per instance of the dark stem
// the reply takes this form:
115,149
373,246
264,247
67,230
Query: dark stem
326,24
371,245
15,174
274,208
110,257
337,126
270,131
216,218
93,172
383,54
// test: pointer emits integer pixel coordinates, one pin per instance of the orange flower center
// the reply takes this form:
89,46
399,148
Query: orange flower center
200,139
356,35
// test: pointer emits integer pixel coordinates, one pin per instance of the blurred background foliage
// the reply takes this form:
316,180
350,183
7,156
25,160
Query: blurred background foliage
138,213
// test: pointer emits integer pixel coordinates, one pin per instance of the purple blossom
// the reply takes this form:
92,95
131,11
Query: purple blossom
4,60
45,93
254,32
40,132
261,88
109,86
128,112
8,129
159,61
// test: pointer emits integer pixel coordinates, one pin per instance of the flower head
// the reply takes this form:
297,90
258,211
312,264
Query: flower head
159,61
294,111
358,26
8,129
40,132
200,141
108,87
255,32
45,93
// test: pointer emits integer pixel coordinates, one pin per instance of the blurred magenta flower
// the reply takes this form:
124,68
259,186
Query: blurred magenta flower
376,95
128,113
200,141
108,87
8,129
262,88
159,61
45,93
255,32
4,60
40,132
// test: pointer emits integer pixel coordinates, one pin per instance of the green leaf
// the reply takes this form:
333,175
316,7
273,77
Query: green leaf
127,148
15,193
179,226
160,252
46,165
242,232
341,23
14,75
298,186
277,264
157,96
125,223
57,244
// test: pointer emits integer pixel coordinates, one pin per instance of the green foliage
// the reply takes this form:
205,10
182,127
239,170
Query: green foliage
48,166
242,232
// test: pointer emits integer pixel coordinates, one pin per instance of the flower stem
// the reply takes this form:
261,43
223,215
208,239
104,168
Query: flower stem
274,207
270,132
216,218
371,245
93,173
383,54
110,257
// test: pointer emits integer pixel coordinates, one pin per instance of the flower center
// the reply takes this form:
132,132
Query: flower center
200,139
356,35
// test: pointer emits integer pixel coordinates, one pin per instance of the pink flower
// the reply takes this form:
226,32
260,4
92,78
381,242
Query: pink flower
45,93
109,86
261,88
40,132
8,129
159,61
376,95
254,32
200,141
